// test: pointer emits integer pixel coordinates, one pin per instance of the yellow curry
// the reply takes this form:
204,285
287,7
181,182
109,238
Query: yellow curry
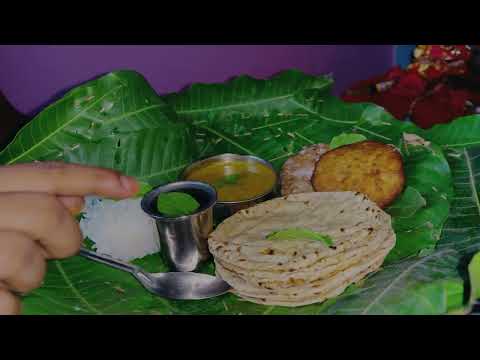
235,180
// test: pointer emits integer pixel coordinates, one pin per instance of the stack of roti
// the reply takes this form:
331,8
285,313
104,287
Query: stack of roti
295,272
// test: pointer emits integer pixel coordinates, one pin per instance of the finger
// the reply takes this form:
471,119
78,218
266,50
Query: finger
44,218
9,303
66,179
22,264
74,204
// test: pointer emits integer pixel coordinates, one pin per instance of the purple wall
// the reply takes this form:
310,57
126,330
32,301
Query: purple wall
31,76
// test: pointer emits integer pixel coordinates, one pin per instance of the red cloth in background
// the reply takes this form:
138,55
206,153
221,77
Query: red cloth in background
399,99
405,93
406,87
440,106
428,91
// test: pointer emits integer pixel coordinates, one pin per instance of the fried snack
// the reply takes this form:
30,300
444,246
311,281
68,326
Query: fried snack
368,167
297,171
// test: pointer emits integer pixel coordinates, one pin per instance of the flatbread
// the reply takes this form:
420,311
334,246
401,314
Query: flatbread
297,171
301,271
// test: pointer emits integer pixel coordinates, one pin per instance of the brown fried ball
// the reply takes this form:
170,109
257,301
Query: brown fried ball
369,167
297,171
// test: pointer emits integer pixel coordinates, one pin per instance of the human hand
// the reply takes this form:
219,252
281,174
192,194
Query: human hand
37,204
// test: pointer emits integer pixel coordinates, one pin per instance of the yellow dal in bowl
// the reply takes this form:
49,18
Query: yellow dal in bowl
235,180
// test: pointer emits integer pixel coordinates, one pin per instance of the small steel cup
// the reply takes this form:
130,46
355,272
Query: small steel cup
183,239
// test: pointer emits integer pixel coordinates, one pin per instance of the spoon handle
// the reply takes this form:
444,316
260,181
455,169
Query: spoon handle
107,260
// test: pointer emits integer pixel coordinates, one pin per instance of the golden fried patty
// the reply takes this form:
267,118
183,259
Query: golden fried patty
372,168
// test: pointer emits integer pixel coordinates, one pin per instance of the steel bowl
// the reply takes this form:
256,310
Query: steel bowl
224,209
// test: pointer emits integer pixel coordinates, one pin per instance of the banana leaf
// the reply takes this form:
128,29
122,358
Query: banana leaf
153,140
116,121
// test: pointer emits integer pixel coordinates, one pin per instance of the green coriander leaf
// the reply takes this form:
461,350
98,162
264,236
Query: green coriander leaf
227,180
297,233
175,204
346,139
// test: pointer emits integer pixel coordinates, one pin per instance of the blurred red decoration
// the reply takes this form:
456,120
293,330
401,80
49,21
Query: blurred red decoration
439,85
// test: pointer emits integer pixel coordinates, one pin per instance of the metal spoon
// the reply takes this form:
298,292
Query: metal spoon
172,285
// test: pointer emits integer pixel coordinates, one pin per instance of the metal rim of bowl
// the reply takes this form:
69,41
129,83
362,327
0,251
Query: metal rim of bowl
183,217
196,164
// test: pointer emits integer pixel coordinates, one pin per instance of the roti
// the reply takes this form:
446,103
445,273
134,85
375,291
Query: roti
297,272
297,171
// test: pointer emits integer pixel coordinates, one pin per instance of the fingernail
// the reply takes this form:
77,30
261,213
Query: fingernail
129,183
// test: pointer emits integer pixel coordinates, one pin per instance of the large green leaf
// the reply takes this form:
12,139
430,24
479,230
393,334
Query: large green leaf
428,285
418,228
250,116
79,286
274,118
287,92
116,121
461,133
335,116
